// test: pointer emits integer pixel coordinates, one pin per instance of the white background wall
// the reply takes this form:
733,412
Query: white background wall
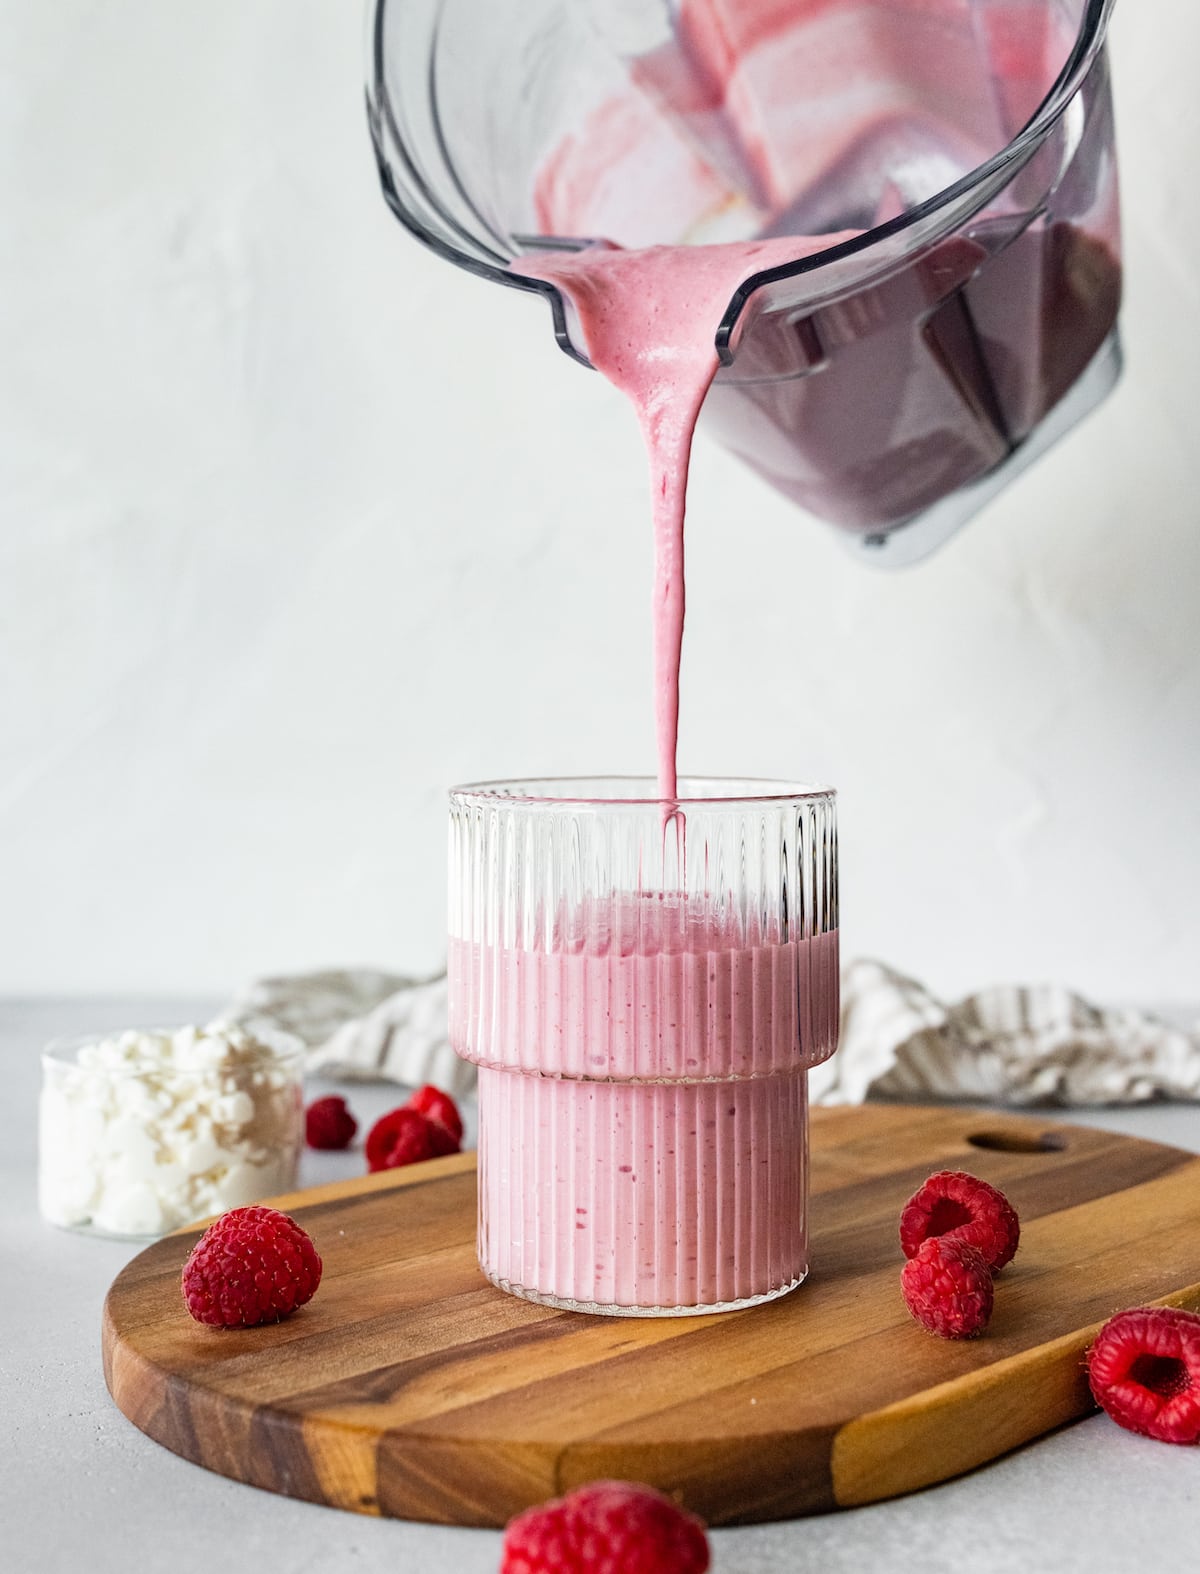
298,525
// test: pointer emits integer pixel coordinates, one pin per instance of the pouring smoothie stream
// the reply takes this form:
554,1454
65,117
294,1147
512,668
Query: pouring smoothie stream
649,321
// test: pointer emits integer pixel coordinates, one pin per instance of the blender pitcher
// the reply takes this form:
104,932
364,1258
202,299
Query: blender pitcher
890,383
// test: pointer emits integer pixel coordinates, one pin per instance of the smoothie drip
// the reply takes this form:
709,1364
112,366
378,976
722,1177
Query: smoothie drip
649,319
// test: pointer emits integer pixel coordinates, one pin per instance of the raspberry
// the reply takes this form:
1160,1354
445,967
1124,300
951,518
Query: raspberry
1144,1368
440,1108
405,1136
329,1124
607,1527
948,1287
254,1265
961,1207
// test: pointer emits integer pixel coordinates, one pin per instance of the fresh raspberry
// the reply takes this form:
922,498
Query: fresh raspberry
405,1136
440,1108
254,1265
1144,1369
961,1207
329,1124
607,1527
948,1287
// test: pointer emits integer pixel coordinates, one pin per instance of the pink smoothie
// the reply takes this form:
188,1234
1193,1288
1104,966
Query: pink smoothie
659,1195
649,320
643,1106
702,1004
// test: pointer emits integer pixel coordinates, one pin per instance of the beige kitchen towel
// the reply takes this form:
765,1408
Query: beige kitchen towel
362,1025
1014,1044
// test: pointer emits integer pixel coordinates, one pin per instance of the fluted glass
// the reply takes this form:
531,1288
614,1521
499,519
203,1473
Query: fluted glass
643,990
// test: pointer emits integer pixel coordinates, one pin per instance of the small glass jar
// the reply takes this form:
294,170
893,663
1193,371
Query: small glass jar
643,987
143,1132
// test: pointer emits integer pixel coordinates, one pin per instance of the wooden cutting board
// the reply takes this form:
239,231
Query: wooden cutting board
411,1387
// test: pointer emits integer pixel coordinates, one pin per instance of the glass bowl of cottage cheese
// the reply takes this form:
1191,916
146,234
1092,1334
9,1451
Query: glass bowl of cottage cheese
142,1132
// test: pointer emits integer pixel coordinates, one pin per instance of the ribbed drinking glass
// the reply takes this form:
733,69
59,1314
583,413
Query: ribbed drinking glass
643,988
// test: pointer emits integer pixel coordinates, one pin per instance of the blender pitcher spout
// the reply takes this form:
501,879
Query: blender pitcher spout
960,314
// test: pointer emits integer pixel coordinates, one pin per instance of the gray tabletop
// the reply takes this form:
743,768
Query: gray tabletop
81,1487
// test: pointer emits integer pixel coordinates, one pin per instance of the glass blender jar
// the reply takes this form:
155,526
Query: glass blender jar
890,383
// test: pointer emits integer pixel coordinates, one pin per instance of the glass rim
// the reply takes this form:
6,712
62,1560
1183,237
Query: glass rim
279,1049
520,790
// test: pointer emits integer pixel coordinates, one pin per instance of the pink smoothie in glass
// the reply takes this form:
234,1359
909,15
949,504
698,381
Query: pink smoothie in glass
643,1105
632,1194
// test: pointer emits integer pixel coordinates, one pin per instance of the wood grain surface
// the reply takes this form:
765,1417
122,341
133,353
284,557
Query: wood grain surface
411,1387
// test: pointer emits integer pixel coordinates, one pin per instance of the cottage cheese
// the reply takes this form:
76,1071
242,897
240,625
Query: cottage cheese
147,1131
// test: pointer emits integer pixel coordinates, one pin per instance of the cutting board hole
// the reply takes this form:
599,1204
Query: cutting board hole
1018,1141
